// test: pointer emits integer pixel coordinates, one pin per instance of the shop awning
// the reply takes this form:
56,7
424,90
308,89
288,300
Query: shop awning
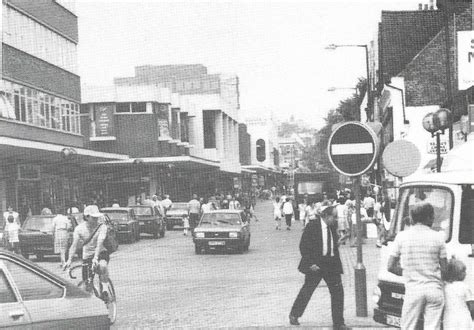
16,151
179,162
260,169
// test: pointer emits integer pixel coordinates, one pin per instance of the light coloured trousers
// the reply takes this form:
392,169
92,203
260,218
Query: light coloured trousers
423,300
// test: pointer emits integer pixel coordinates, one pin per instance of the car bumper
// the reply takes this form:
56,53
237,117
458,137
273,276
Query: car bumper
223,243
383,317
37,249
174,221
148,227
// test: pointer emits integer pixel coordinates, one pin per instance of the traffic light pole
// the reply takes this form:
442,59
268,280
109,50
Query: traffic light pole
359,269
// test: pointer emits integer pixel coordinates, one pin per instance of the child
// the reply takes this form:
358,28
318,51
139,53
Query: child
277,213
457,295
186,225
12,229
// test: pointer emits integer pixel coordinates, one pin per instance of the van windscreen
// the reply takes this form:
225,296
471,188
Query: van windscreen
439,197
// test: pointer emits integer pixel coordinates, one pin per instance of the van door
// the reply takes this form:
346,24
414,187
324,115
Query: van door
465,252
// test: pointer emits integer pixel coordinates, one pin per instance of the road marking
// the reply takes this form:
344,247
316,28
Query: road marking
352,149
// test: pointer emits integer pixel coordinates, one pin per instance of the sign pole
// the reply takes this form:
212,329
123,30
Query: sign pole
359,269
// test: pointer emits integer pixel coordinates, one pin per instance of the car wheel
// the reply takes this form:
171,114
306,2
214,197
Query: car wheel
39,256
138,235
131,237
155,234
241,249
197,249
162,233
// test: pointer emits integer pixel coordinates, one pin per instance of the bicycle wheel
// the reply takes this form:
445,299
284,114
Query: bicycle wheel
107,295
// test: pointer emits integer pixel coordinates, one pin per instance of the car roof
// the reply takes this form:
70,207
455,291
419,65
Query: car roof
139,206
71,289
108,209
449,177
41,216
225,211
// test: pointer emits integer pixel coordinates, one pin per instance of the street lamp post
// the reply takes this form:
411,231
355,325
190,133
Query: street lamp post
369,88
436,123
359,269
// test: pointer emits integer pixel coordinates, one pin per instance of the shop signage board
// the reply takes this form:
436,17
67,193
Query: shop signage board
104,123
431,147
465,59
254,180
352,148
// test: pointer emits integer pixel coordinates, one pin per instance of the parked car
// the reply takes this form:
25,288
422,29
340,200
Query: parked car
32,297
175,215
150,220
222,229
128,228
36,236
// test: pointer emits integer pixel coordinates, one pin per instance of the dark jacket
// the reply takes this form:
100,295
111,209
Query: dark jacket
311,248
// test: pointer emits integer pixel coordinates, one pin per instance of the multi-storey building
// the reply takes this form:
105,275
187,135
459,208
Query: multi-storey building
40,129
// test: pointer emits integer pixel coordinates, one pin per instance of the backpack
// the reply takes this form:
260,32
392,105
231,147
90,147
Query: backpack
110,242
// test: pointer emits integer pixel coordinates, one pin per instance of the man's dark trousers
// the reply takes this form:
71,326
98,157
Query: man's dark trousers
333,281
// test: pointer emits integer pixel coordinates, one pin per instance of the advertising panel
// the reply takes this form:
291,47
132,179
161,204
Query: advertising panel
465,59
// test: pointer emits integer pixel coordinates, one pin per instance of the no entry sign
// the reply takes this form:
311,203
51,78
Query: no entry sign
352,148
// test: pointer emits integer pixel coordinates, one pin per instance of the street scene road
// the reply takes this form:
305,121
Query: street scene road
163,283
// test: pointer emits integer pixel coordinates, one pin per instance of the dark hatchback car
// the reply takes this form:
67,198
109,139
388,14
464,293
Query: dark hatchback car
36,236
126,222
150,220
222,229
175,215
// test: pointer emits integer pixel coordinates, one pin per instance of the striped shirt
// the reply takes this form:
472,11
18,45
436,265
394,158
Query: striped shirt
420,249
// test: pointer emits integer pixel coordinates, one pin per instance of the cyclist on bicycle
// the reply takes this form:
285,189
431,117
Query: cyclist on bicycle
94,252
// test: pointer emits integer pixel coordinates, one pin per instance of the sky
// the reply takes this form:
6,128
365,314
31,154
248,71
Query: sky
276,48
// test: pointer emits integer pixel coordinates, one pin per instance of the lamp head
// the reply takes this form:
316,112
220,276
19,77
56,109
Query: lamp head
444,118
431,122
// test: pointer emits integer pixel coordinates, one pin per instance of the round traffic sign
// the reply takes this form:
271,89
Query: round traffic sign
352,148
401,158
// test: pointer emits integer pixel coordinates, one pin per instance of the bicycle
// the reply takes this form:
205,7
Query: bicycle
93,284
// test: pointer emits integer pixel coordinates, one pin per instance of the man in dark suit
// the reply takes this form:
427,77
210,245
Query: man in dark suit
320,260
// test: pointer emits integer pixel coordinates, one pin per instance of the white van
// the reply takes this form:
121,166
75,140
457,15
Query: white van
451,192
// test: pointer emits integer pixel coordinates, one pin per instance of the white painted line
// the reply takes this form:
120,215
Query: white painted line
352,149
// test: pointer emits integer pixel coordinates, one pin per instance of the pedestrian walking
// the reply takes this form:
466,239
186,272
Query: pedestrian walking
369,203
167,203
12,230
9,212
194,208
277,213
311,212
61,230
419,253
320,260
234,204
378,221
354,228
288,212
457,313
185,225
342,223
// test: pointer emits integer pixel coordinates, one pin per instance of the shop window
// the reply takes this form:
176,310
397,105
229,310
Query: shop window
122,107
138,107
175,124
209,128
184,123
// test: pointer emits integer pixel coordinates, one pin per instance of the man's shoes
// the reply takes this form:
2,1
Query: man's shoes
294,320
340,327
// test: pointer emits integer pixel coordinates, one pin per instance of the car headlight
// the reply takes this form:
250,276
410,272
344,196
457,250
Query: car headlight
376,294
233,234
199,235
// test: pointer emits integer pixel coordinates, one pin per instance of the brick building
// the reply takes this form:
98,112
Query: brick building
40,131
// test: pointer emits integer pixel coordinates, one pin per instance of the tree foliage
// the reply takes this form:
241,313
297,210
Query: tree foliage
317,158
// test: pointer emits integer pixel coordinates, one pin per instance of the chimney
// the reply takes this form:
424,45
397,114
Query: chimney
420,6
431,4
426,6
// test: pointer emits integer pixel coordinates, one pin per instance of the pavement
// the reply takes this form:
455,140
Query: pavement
162,283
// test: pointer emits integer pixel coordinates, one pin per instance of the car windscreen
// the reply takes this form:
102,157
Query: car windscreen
439,197
38,224
217,219
120,217
180,207
140,211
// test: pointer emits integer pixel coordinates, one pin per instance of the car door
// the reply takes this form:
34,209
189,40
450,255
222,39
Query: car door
13,314
42,297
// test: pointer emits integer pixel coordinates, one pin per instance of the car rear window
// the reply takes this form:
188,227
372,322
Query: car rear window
38,224
118,216
143,210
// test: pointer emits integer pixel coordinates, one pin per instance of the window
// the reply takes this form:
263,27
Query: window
33,286
209,128
33,38
466,227
175,124
440,198
6,292
122,107
41,109
138,107
261,150
184,121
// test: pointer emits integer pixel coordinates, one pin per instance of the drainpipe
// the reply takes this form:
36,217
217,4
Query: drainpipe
405,121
